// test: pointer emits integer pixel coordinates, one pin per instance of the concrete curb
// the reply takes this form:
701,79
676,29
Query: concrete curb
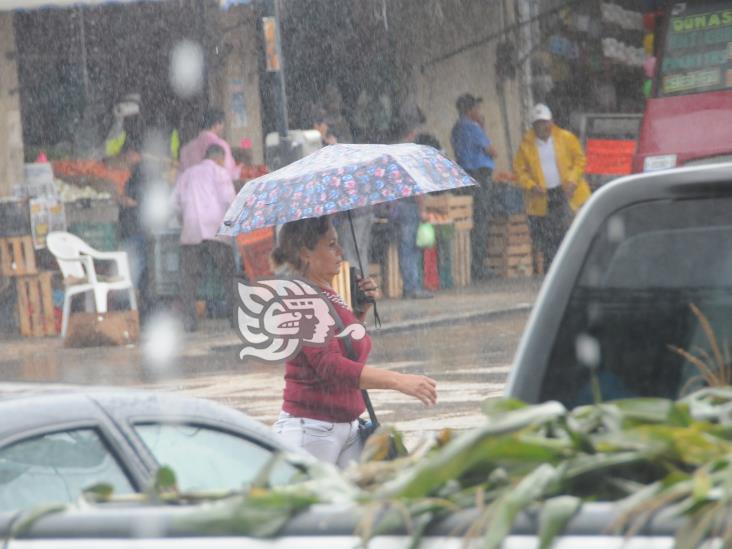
415,324
420,324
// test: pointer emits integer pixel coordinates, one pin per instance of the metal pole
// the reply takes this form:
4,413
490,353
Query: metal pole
281,95
275,65
84,60
501,90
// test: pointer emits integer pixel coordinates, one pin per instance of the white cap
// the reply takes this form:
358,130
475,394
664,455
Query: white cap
540,112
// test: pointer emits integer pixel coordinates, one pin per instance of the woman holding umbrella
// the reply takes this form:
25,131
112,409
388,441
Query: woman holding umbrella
322,397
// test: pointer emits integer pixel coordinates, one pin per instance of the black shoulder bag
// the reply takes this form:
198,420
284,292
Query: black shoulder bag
365,427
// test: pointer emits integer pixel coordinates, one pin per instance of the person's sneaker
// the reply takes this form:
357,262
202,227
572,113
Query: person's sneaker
419,294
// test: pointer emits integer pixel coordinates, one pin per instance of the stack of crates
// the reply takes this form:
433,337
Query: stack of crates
509,252
34,288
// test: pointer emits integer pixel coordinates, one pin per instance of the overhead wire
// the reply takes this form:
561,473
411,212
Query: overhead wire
499,34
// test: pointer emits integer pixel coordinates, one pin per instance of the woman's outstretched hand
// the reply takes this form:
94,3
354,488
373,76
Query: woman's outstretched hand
418,386
422,387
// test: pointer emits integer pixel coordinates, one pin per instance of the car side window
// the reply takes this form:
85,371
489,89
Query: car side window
57,468
205,458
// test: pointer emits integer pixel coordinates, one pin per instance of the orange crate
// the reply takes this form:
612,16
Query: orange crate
342,282
255,249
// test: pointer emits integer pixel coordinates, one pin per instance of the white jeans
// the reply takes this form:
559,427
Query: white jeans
337,443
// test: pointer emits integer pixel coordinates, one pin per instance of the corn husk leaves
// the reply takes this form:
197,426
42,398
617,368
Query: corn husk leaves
646,453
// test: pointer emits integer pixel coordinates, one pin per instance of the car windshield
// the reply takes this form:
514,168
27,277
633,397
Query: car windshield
647,270
276,204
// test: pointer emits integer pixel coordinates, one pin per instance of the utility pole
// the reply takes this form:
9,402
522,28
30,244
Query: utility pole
275,65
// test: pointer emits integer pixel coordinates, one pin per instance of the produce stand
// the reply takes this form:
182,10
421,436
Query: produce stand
25,220
452,216
94,220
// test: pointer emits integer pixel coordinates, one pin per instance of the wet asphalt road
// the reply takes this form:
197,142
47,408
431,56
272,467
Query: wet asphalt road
470,363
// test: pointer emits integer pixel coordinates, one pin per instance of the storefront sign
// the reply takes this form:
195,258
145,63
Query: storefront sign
698,48
272,52
609,156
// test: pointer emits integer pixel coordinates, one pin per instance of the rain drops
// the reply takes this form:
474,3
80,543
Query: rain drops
156,209
615,229
587,349
162,342
186,68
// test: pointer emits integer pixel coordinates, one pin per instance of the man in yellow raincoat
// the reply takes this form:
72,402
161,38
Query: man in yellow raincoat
550,166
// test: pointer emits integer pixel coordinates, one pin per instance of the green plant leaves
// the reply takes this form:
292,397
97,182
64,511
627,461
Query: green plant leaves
165,480
544,478
555,514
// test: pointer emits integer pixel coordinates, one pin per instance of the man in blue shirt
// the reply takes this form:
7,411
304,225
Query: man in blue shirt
475,153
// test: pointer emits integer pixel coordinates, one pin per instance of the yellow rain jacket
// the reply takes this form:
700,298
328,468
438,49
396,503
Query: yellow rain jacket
570,163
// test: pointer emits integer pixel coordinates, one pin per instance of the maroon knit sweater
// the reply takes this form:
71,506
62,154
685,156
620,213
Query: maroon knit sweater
321,382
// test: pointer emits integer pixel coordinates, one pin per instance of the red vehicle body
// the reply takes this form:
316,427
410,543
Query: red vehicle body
688,119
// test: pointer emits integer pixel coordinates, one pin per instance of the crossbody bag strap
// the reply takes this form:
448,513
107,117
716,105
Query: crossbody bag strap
352,355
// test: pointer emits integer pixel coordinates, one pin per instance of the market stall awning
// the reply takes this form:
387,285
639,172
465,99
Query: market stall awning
10,5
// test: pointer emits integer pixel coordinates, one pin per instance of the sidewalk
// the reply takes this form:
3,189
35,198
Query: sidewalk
472,303
457,305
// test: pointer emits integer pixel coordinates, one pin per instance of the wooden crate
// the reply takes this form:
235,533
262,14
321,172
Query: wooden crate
391,275
17,256
35,305
509,251
460,254
457,210
538,263
342,282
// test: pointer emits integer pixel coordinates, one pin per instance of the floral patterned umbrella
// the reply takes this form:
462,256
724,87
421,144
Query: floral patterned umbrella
339,178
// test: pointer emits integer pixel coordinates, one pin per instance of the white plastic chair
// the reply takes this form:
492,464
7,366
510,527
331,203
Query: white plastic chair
76,260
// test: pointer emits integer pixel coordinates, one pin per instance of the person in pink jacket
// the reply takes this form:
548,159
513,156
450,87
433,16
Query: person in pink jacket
202,195
194,151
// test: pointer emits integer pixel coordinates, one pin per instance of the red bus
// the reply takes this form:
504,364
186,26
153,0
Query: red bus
688,118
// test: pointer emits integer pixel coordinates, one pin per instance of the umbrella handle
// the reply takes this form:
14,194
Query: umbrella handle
377,319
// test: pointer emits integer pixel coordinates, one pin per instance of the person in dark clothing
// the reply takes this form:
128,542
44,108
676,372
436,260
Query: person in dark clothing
131,232
474,151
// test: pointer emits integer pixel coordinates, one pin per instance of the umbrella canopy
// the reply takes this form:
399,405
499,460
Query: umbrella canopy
339,178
